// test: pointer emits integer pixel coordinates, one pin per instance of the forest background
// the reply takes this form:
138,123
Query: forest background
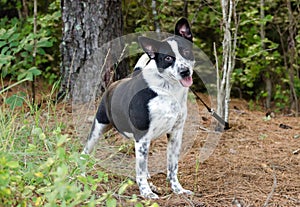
266,74
267,53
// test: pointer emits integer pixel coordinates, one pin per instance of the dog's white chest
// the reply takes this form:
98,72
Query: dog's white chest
166,113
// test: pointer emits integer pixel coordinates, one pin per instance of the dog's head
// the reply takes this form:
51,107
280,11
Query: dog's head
174,56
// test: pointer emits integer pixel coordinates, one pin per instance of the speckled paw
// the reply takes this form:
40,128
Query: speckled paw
149,195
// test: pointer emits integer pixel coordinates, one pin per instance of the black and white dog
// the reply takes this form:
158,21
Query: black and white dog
151,103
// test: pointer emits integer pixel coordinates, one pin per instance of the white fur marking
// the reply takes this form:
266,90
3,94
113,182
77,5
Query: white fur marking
142,62
129,135
94,136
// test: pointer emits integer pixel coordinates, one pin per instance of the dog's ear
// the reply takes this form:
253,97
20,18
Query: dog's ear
150,46
183,29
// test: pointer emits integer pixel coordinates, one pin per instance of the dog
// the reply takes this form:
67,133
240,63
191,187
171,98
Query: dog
151,103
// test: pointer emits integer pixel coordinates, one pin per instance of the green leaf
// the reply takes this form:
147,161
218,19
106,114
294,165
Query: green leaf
44,42
36,131
2,43
154,205
6,191
22,76
123,187
24,54
14,101
4,59
111,202
29,74
138,205
61,140
2,33
12,164
13,44
35,71
14,37
28,47
5,35
40,51
4,50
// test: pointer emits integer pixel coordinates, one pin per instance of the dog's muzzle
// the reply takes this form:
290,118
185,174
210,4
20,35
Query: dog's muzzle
187,79
185,72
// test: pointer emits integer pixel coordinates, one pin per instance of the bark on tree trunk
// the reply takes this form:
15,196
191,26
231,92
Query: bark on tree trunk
228,60
292,52
87,25
266,75
155,15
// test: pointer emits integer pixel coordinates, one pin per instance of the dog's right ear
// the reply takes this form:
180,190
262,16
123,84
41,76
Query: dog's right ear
183,29
150,46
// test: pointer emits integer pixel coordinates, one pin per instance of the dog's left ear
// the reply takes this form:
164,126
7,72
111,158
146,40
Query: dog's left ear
183,29
150,46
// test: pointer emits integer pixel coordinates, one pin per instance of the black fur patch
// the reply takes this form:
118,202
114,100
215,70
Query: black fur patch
161,60
101,115
138,108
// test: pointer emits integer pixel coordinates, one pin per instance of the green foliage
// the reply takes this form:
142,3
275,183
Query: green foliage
253,62
16,100
17,45
281,97
297,86
51,180
40,164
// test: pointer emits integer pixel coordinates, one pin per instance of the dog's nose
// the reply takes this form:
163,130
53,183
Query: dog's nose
185,72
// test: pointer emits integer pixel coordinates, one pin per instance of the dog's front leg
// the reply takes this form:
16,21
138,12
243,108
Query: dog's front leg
141,153
173,151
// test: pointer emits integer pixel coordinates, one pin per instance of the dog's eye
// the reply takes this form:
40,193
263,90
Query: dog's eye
168,59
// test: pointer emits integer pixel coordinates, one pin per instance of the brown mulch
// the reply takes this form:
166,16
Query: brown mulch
256,163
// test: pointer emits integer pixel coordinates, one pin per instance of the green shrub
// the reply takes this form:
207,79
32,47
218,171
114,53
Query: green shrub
17,45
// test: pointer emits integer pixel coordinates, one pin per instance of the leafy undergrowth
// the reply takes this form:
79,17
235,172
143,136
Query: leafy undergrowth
256,162
40,160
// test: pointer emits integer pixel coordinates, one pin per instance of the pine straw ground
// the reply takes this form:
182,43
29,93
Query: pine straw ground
256,163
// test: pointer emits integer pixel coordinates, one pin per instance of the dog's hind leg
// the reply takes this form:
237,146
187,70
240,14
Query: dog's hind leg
141,152
98,129
100,125
173,151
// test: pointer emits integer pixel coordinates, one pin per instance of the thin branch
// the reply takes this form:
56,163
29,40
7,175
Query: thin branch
102,71
154,12
218,80
13,85
34,47
273,188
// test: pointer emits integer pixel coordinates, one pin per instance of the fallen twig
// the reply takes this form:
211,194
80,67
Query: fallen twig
295,152
273,188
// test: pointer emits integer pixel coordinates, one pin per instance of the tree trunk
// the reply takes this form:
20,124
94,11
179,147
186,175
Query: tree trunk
155,16
228,60
87,25
266,74
292,54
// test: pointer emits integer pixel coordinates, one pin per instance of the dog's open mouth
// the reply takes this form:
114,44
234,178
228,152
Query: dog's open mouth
187,81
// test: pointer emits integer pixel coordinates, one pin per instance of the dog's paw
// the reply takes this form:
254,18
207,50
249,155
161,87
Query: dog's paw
149,195
178,189
187,192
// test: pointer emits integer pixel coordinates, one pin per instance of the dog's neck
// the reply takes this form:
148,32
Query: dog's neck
158,81
154,78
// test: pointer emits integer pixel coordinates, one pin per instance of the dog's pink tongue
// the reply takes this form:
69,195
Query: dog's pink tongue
187,81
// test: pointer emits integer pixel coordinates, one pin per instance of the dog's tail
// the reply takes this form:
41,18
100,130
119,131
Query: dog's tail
141,63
